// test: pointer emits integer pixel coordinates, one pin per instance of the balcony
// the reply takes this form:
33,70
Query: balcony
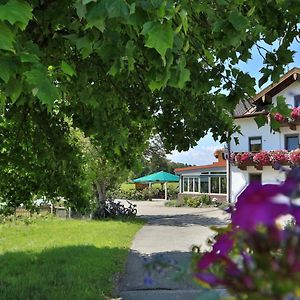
260,159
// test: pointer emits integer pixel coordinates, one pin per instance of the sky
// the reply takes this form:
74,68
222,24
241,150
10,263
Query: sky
203,153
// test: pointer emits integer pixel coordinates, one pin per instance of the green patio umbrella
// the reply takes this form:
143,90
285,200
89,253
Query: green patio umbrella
161,177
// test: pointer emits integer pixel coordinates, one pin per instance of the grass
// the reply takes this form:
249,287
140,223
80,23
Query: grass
63,259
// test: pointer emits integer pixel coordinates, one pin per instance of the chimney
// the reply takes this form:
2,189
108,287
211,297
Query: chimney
219,155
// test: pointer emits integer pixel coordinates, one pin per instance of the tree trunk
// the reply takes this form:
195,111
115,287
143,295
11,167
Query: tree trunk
101,196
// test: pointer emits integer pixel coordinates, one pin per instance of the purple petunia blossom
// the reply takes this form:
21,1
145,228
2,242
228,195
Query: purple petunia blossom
221,248
209,278
256,206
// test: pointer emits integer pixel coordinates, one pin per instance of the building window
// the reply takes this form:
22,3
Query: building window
297,100
291,142
255,177
185,184
223,185
196,185
255,144
204,184
191,184
214,185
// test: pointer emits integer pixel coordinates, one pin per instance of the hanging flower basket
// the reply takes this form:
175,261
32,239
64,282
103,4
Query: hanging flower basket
266,158
290,121
243,159
280,157
294,157
280,118
295,114
262,159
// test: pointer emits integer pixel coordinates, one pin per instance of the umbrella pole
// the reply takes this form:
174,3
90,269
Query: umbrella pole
166,191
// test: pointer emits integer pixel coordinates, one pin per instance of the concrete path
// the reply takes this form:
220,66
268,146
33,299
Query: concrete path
158,264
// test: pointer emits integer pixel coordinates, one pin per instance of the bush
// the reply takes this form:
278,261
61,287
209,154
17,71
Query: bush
205,199
146,194
173,192
192,202
197,201
175,203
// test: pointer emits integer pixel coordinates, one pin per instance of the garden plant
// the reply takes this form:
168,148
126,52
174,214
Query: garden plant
256,256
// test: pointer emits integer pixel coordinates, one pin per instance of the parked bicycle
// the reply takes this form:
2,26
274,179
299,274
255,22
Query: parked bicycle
113,208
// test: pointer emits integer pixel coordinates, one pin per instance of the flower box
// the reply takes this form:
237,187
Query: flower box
273,158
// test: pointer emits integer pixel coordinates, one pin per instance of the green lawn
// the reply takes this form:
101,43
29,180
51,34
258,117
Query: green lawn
60,259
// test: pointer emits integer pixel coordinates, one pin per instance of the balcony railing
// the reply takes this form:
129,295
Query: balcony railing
260,159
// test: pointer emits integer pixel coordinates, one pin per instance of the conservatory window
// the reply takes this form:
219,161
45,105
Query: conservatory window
204,184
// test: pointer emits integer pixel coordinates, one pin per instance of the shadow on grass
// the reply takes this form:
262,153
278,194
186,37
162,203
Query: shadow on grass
73,272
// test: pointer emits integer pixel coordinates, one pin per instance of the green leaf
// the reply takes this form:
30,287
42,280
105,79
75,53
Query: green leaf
159,36
130,51
261,120
28,57
88,1
274,125
117,8
80,10
14,89
183,16
132,8
67,69
181,74
114,69
282,107
96,16
7,68
41,86
84,44
7,38
16,11
238,21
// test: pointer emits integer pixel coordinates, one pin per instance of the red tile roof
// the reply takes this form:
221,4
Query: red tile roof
213,165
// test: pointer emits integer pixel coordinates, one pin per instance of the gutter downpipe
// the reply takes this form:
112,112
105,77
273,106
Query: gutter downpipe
228,166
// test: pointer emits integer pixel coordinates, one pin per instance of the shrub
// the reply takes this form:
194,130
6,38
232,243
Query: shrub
205,199
197,201
171,203
146,194
173,192
194,202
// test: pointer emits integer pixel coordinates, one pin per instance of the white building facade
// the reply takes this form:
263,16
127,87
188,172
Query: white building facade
245,165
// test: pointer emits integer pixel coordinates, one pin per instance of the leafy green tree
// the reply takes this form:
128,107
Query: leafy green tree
102,175
39,158
119,68
155,159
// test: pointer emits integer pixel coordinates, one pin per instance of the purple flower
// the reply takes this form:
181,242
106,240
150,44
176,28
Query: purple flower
256,205
209,278
221,248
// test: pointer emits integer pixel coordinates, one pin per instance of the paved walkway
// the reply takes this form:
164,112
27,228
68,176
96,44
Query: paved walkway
166,239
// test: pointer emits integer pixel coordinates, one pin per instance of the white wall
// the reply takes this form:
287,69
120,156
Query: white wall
289,93
240,178
270,141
